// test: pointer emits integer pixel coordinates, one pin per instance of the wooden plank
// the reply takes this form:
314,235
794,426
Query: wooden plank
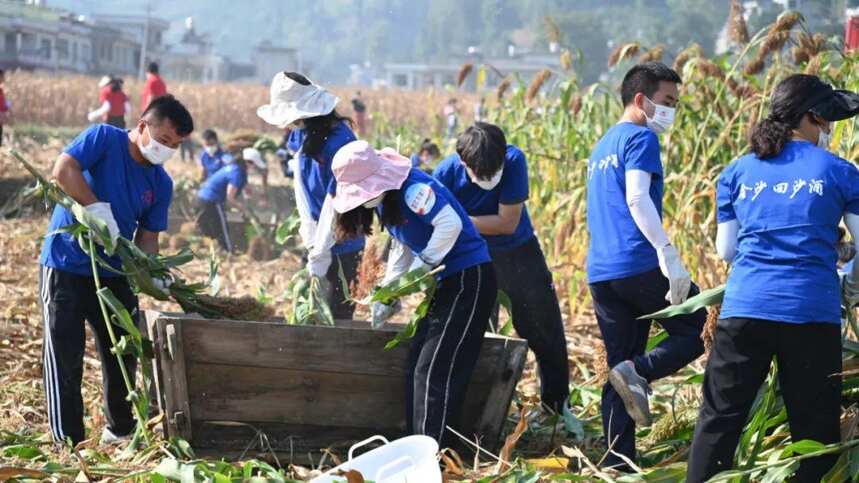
170,350
235,393
291,443
313,348
156,391
490,419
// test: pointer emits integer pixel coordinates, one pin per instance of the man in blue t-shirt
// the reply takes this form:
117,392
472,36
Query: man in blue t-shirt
490,179
212,158
118,177
631,263
226,184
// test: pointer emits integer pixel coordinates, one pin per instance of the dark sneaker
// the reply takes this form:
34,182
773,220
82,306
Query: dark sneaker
633,390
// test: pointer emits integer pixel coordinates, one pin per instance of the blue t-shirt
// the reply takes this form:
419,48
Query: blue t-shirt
212,163
512,190
617,248
214,189
139,197
422,197
788,209
317,177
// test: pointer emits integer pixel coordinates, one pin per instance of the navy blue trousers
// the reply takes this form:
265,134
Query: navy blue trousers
618,304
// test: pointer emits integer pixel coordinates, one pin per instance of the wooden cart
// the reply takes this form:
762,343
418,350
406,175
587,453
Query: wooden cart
239,389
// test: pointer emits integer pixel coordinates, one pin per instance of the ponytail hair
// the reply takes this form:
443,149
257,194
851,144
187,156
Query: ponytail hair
788,105
769,136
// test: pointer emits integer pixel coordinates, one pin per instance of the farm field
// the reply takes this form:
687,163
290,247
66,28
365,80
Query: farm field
556,122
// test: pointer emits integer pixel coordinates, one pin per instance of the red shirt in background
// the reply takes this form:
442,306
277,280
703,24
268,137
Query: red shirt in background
3,107
103,93
117,100
153,88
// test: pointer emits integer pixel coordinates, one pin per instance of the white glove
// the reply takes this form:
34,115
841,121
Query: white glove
382,312
672,267
318,264
418,263
162,284
102,211
850,289
93,116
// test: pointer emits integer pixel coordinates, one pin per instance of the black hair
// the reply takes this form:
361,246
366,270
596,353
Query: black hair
430,148
482,147
317,129
168,107
2,72
359,221
645,78
115,84
210,135
153,67
787,108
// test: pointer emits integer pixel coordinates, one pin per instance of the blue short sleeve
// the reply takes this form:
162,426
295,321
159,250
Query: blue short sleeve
514,183
90,146
238,179
424,200
724,197
850,186
642,152
155,218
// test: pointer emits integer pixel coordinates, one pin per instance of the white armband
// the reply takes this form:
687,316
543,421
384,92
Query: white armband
642,209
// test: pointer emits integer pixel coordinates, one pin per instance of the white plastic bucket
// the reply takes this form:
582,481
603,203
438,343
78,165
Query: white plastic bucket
407,460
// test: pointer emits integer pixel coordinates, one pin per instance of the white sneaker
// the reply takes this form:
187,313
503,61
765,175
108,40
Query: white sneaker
107,437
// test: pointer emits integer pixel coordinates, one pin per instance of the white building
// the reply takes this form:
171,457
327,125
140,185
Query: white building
33,37
440,75
140,30
270,59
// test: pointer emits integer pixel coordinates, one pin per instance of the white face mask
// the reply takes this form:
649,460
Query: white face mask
487,184
663,117
824,139
212,150
374,202
155,152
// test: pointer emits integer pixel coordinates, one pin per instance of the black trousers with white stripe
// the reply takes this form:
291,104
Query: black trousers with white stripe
445,349
67,300
212,222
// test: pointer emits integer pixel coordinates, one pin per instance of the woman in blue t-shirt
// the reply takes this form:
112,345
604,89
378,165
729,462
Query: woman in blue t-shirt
317,132
430,229
779,208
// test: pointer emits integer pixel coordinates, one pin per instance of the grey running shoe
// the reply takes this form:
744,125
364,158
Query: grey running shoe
633,390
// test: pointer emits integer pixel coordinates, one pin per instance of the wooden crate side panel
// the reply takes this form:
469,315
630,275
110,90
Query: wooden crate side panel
298,444
490,416
327,349
169,350
233,393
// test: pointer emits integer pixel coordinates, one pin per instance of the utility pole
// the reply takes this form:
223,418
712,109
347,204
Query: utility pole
145,46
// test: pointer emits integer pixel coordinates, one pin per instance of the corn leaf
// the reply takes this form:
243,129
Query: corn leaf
704,299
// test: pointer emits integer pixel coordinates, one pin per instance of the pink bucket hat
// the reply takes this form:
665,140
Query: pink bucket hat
362,173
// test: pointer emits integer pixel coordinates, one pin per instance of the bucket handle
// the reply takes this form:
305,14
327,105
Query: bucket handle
393,464
367,441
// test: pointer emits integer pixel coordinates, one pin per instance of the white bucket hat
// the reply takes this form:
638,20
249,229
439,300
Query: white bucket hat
291,101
